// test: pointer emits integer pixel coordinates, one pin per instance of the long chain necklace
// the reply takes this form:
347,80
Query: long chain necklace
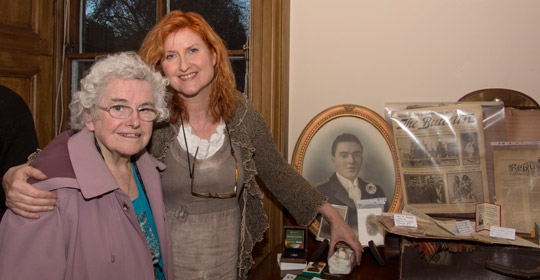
185,140
187,151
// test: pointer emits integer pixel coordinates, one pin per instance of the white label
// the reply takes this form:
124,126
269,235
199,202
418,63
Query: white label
405,221
464,227
501,232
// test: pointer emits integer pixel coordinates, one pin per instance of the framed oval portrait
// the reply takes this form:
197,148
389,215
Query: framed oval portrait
350,143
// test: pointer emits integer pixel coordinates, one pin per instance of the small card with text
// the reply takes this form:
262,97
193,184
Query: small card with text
502,232
405,221
464,227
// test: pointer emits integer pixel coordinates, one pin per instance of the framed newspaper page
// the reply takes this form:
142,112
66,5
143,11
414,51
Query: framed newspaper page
349,143
517,184
442,157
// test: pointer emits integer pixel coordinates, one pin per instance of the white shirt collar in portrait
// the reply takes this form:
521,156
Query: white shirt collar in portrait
351,187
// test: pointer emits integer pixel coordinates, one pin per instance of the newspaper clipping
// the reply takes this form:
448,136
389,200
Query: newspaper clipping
517,186
441,158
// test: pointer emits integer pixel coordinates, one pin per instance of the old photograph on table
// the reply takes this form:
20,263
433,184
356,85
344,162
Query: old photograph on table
368,229
441,157
324,228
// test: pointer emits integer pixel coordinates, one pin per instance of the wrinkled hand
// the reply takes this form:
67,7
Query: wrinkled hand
341,232
22,198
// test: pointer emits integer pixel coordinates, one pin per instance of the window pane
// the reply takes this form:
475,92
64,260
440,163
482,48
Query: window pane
229,18
115,25
238,64
79,67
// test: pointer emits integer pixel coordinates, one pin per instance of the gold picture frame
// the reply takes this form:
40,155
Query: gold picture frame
312,152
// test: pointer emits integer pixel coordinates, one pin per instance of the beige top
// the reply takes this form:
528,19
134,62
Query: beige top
204,231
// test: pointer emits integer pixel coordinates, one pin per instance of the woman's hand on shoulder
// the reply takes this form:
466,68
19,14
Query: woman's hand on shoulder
21,197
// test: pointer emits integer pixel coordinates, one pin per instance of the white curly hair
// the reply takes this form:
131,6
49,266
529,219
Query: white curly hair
124,65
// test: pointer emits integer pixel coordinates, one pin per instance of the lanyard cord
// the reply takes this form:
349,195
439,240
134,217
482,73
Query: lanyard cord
187,151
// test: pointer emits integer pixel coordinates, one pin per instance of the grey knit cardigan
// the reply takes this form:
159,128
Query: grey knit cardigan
260,157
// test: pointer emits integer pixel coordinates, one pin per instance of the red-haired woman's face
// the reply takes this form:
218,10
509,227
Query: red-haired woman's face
188,63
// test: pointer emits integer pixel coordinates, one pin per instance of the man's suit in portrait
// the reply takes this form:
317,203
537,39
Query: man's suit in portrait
337,194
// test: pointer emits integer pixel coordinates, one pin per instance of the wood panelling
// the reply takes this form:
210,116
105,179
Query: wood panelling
268,90
26,58
16,64
19,40
16,13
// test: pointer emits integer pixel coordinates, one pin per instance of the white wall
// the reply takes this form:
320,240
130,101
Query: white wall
369,52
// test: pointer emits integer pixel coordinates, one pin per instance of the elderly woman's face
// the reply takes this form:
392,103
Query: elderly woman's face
123,137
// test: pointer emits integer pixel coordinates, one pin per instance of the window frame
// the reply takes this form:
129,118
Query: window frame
73,41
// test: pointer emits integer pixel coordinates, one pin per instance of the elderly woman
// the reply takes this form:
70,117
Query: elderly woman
214,146
109,220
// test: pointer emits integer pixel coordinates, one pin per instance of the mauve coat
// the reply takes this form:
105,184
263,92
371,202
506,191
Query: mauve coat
93,233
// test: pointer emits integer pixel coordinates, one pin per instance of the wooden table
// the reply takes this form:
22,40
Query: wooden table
368,269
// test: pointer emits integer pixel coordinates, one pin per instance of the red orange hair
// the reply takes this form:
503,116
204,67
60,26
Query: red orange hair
222,100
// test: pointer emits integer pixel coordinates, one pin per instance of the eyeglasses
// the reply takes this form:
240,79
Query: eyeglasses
192,170
146,114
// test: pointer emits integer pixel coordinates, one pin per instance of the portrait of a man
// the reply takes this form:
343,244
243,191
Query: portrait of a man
347,152
345,186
